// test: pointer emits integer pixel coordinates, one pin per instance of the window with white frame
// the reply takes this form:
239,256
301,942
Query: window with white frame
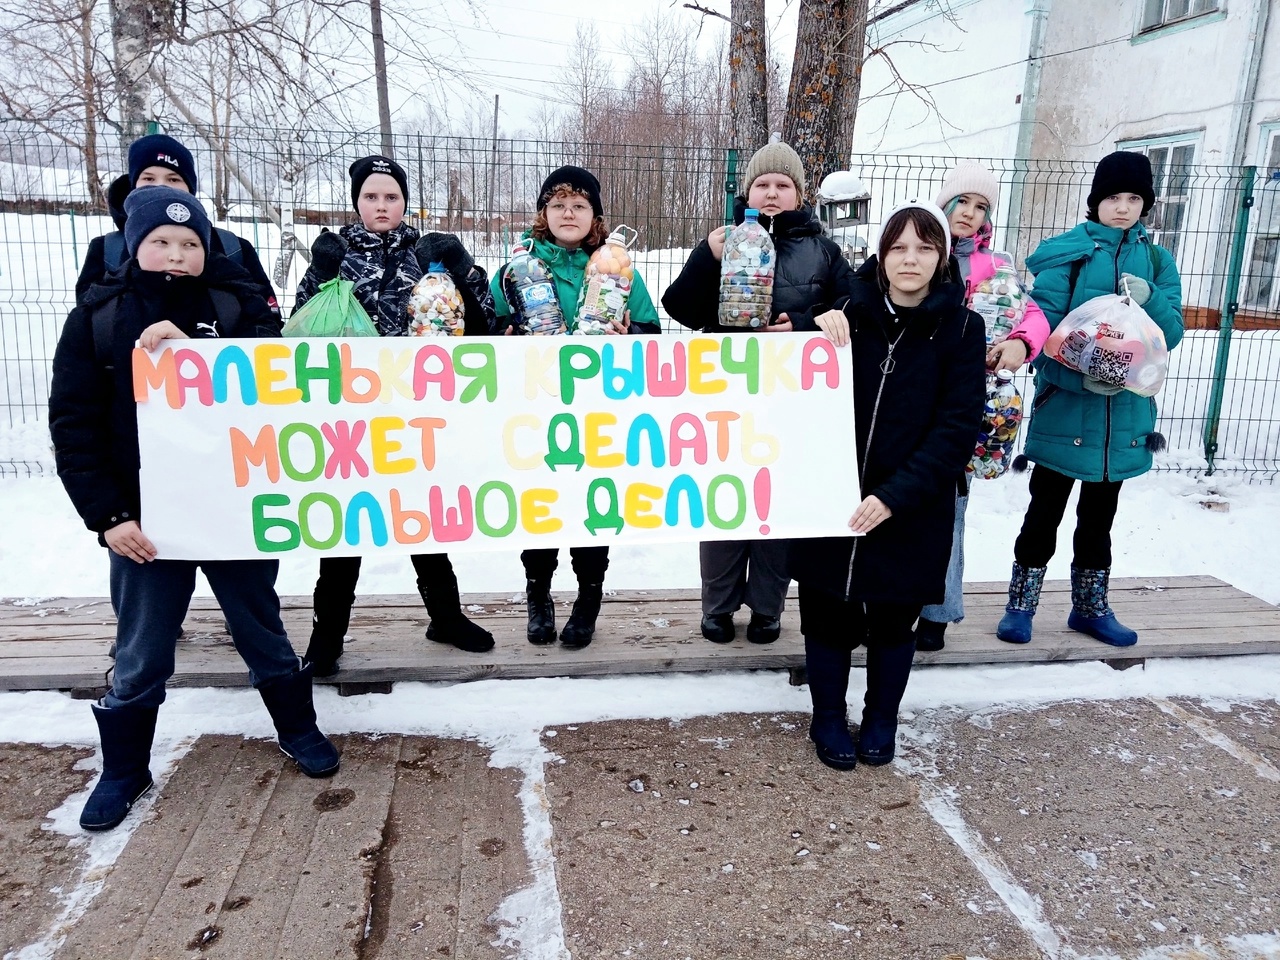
1171,170
1262,277
1158,13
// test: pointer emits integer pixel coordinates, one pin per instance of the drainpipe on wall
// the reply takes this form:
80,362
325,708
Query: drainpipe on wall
1038,11
1242,111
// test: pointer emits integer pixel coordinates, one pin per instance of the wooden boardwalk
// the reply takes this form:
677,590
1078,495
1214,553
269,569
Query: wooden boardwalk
62,643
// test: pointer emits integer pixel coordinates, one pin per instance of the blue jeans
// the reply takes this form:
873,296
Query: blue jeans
951,609
151,601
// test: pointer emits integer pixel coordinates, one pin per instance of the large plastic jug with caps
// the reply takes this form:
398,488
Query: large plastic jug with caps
1001,299
1001,416
435,305
607,283
746,275
531,293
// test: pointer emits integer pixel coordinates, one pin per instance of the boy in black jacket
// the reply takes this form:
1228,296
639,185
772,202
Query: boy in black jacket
170,288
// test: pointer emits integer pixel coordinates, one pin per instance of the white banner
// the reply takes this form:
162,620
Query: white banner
254,448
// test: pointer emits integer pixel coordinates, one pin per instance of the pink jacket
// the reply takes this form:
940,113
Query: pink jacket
1034,328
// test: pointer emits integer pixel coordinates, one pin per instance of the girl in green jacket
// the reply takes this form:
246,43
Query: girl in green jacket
568,228
1080,428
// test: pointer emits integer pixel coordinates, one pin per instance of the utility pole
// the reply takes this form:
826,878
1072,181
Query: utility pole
380,71
493,170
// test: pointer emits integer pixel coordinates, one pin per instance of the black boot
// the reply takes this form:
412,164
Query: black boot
718,627
930,635
126,734
828,673
581,627
288,700
888,668
542,612
762,629
448,623
330,618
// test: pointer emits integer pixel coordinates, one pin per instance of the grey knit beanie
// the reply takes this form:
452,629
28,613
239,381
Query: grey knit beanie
774,158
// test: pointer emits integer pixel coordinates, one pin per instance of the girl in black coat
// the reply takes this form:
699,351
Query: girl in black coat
919,387
810,275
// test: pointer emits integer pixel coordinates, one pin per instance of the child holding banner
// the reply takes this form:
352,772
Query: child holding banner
919,387
169,289
968,198
1080,428
384,257
809,275
568,228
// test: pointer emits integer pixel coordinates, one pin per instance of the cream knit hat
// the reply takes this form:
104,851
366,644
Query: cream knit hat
969,177
774,158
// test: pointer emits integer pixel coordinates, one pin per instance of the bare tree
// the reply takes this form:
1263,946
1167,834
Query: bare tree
826,78
748,75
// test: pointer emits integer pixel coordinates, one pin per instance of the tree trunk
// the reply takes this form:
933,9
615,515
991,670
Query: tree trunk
748,76
826,78
134,28
90,92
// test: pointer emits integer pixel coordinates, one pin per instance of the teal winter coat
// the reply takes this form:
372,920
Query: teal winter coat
1075,432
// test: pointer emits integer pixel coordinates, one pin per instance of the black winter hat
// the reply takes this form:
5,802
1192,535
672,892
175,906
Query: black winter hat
1122,172
365,167
577,178
158,206
158,150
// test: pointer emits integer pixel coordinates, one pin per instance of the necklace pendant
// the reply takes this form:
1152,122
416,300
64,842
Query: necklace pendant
887,366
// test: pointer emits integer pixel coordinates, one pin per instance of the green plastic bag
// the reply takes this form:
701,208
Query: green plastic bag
333,312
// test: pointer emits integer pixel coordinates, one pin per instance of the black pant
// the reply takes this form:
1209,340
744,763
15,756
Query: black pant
1094,516
846,624
589,563
335,592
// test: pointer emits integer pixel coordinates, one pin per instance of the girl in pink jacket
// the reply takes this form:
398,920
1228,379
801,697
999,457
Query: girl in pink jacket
968,197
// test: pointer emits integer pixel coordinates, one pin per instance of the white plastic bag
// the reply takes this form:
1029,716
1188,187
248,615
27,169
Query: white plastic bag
1111,339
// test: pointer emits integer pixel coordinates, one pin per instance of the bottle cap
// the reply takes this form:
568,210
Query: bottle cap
1004,376
752,213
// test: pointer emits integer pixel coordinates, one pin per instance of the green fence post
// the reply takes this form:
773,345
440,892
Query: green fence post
730,185
153,126
75,248
1230,305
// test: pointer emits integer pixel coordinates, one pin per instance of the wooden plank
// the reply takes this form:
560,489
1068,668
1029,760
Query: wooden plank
57,644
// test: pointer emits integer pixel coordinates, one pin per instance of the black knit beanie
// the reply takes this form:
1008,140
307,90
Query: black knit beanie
1122,172
577,178
158,150
365,167
158,206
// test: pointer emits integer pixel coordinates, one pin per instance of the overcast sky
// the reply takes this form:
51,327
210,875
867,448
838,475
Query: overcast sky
514,48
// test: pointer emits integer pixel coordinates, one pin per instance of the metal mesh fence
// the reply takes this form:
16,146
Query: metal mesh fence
484,190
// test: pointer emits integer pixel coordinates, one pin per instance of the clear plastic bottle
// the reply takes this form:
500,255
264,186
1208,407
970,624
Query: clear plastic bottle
531,293
1000,419
435,305
746,275
607,283
1001,300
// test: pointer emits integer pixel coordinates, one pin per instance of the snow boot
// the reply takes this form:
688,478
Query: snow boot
288,700
930,635
1024,596
448,623
762,629
888,668
718,627
126,734
542,612
1090,612
827,670
581,626
330,618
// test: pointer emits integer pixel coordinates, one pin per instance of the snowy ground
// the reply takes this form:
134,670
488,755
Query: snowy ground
1162,529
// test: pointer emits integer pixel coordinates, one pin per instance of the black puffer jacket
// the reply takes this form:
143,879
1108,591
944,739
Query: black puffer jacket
93,418
384,270
95,267
914,428
809,278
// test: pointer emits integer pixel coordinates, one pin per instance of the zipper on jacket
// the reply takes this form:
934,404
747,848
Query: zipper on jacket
1123,240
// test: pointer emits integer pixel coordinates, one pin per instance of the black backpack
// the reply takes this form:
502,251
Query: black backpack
226,307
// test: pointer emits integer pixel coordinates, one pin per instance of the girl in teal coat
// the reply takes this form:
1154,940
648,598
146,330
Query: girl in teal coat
1080,428
568,228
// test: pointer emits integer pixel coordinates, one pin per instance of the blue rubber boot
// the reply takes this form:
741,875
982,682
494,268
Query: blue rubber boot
1024,596
828,673
126,734
1090,612
288,700
888,669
